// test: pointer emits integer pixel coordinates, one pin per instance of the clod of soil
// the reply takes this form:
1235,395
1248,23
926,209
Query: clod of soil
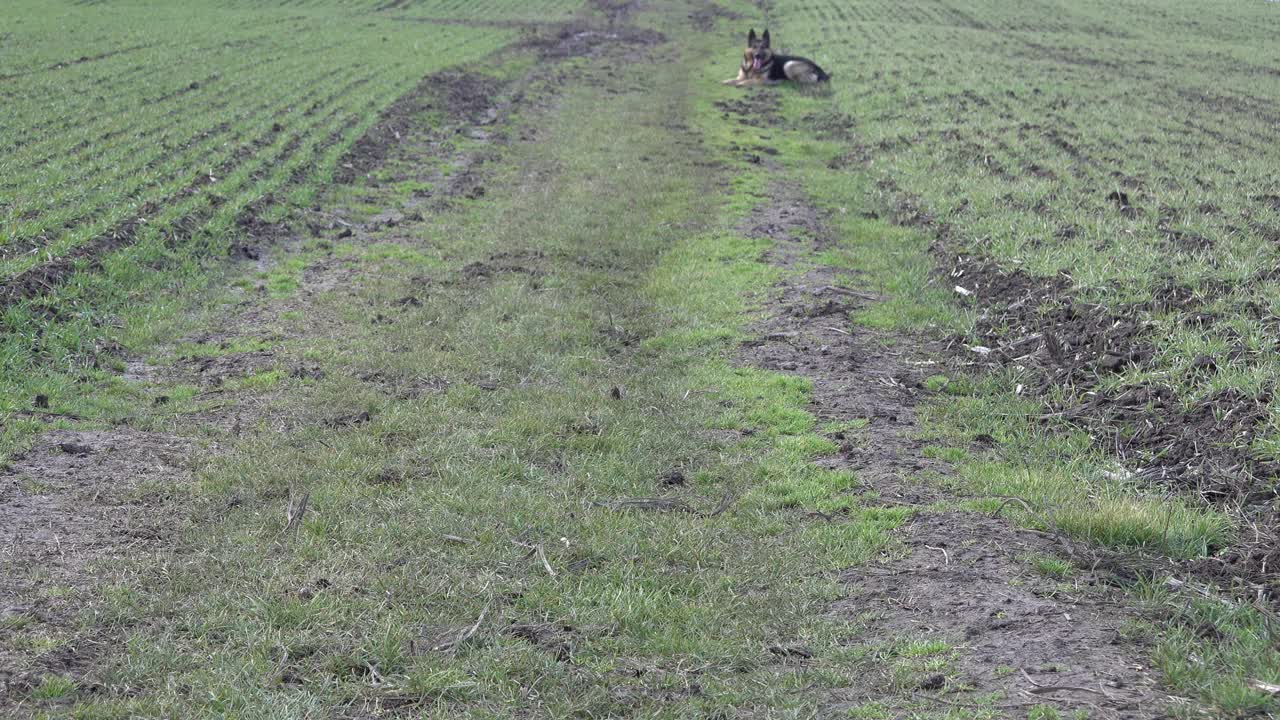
218,369
557,639
525,263
73,448
346,421
672,478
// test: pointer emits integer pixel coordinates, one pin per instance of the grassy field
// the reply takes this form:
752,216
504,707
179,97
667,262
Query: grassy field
492,423
1114,163
192,110
137,134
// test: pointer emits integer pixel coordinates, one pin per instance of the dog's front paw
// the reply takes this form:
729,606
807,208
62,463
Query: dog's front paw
730,81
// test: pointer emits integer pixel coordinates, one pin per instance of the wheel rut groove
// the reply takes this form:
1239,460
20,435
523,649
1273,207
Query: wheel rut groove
960,577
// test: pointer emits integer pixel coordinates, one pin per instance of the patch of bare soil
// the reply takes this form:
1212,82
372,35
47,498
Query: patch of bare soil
503,263
755,109
855,377
578,40
705,17
462,97
1016,632
215,371
69,507
964,579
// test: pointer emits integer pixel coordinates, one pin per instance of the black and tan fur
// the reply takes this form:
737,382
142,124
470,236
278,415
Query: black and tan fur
761,66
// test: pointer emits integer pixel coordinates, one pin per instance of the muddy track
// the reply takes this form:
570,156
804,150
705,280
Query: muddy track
854,376
965,578
72,507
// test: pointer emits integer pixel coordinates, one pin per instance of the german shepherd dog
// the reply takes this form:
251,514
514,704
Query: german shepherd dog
760,66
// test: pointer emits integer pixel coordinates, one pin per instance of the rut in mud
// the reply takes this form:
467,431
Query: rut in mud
1180,421
1072,349
965,578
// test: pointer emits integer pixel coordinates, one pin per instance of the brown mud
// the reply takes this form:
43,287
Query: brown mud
1015,632
855,375
1071,348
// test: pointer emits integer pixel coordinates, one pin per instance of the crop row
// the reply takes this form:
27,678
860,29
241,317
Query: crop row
223,107
482,10
1023,139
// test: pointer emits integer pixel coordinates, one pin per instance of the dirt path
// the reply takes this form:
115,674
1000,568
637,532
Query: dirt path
72,506
962,578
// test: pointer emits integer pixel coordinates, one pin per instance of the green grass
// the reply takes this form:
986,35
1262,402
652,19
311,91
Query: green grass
1213,649
53,687
191,116
1051,567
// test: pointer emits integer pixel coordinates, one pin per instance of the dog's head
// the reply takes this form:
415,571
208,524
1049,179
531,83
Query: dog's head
758,55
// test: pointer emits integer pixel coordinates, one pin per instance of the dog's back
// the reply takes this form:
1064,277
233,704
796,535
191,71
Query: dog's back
798,69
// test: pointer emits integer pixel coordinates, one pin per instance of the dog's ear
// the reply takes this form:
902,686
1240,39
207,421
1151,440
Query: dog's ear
765,39
751,37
